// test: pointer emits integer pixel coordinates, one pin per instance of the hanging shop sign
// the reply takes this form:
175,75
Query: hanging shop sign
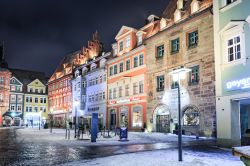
243,83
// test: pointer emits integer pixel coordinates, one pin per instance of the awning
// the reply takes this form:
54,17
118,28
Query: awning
13,114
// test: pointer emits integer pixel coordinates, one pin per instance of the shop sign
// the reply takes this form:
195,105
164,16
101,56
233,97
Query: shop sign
112,102
243,83
123,101
135,98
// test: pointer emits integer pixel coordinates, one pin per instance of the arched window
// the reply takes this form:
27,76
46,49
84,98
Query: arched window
191,116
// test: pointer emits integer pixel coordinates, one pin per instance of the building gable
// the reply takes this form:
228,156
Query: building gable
123,31
15,81
36,83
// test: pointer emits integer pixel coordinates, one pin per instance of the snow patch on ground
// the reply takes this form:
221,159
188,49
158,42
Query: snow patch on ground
162,157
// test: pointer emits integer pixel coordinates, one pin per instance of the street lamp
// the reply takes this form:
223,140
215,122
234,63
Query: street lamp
177,75
76,103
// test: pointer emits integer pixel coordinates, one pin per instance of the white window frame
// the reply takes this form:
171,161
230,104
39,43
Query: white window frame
13,107
128,41
225,6
139,39
228,32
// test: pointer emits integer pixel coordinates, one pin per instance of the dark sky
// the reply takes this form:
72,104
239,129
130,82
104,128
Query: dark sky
39,33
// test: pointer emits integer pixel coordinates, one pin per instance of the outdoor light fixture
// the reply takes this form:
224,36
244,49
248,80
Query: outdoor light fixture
76,103
177,75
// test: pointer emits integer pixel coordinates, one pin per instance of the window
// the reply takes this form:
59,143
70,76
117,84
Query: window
36,109
12,108
31,90
174,85
111,71
110,94
44,100
120,91
175,46
115,69
141,87
191,116
100,79
139,39
114,93
19,108
160,83
115,49
13,98
100,96
103,95
137,117
128,42
96,80
36,100
121,67
234,49
27,109
30,109
41,90
135,88
160,51
121,46
36,90
1,80
128,64
141,60
27,99
30,99
12,88
135,61
230,1
104,77
193,39
96,97
127,90
194,75
44,109
41,100
19,98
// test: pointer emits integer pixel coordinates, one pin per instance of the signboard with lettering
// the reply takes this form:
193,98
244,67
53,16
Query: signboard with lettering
240,84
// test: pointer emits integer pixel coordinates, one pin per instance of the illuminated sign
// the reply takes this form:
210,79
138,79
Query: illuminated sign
112,102
123,101
243,83
135,98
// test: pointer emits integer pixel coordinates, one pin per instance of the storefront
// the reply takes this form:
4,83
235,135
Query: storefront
129,113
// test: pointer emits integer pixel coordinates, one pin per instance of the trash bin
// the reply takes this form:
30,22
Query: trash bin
123,134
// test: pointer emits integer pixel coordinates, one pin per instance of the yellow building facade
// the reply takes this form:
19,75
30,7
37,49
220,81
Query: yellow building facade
35,104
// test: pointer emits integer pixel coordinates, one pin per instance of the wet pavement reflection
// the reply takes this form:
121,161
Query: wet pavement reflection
25,153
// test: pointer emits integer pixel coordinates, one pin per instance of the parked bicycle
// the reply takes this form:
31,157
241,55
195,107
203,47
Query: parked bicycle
106,133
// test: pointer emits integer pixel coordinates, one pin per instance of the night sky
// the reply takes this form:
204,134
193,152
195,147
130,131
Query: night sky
39,33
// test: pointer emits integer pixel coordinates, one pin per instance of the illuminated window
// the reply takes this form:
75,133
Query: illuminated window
194,75
139,39
234,48
128,42
137,117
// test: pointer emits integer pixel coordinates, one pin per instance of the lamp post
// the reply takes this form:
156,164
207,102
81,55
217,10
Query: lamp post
177,75
76,103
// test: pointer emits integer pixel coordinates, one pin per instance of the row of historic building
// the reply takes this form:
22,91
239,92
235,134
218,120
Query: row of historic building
133,86
23,96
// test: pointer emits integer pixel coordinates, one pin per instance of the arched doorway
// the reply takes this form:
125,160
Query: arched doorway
191,120
124,117
161,119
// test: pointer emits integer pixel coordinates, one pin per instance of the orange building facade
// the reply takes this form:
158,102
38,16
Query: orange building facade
126,81
4,92
59,84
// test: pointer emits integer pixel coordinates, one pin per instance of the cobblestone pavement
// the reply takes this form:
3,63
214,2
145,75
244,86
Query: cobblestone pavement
22,147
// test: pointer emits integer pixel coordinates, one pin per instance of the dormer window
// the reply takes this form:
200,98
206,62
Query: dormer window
139,38
177,15
121,46
115,49
180,4
127,41
77,73
102,63
194,6
93,66
163,23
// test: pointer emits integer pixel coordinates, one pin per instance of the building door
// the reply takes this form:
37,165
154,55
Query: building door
112,119
124,117
245,122
163,123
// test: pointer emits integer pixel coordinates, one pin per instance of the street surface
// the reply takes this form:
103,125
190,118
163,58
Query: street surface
22,147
